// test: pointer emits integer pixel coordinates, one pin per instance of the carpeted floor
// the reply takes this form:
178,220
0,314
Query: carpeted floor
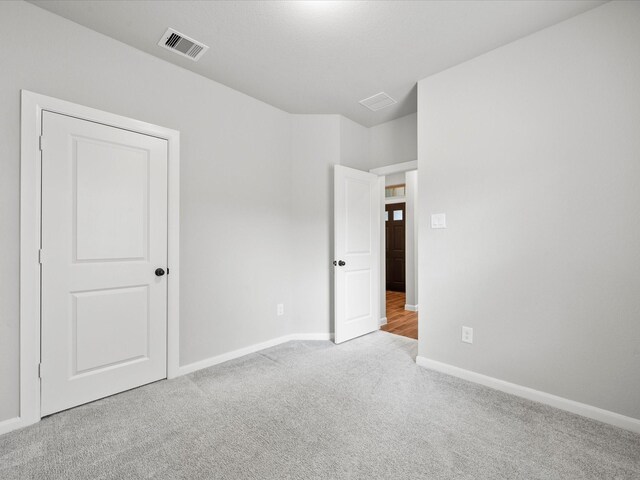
313,410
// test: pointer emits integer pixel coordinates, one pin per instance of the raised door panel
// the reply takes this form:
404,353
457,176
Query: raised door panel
111,201
110,328
358,298
358,217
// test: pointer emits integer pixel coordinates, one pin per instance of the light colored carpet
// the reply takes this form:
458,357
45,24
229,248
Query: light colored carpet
313,410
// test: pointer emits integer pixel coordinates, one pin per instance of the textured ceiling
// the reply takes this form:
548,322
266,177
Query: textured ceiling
323,56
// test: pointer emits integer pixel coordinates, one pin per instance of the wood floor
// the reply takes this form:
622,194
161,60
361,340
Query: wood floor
400,321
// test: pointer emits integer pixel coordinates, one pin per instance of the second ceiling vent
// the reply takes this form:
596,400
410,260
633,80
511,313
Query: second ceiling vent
378,101
182,45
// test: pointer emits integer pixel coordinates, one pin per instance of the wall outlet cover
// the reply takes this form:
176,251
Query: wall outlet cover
467,334
280,309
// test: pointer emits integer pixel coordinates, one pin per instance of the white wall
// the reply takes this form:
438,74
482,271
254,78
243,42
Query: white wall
354,145
318,143
235,180
533,152
394,142
394,179
315,150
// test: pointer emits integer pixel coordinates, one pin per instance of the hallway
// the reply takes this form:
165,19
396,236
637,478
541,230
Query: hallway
400,321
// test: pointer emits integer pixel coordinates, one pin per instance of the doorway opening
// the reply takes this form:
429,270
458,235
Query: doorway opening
399,281
399,320
360,230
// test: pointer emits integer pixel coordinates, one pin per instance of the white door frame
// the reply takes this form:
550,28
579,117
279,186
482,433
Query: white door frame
33,105
382,172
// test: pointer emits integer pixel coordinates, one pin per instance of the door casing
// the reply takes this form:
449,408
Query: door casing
33,105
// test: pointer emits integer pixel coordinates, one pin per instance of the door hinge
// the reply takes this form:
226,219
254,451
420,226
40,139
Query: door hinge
40,144
40,256
39,370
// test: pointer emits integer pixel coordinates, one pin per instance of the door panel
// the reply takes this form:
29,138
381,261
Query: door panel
111,195
358,302
110,327
104,232
358,217
357,244
395,247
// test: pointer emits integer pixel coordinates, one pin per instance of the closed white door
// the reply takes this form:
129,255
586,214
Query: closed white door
104,234
357,246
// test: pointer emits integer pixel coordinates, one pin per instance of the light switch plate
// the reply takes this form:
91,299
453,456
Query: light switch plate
438,220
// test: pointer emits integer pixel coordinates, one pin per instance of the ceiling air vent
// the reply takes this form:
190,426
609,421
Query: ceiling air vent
378,101
182,45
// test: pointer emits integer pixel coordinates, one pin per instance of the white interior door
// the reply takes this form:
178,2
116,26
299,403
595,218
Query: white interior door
104,234
357,246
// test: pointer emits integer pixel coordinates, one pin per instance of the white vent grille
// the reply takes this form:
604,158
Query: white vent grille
378,101
182,45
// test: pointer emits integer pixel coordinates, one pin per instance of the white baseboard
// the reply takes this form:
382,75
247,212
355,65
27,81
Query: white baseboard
411,308
225,357
595,413
11,424
310,336
382,321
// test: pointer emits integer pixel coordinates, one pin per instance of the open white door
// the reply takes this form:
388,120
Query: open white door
357,247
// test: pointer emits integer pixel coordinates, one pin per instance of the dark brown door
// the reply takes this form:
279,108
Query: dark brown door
394,230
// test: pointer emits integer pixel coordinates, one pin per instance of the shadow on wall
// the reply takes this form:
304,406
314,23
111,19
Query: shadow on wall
409,103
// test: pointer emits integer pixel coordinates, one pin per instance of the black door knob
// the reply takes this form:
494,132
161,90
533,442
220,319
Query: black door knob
159,272
341,263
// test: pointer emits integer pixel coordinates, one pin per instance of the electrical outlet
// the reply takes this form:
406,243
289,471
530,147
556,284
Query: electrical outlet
280,309
467,334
